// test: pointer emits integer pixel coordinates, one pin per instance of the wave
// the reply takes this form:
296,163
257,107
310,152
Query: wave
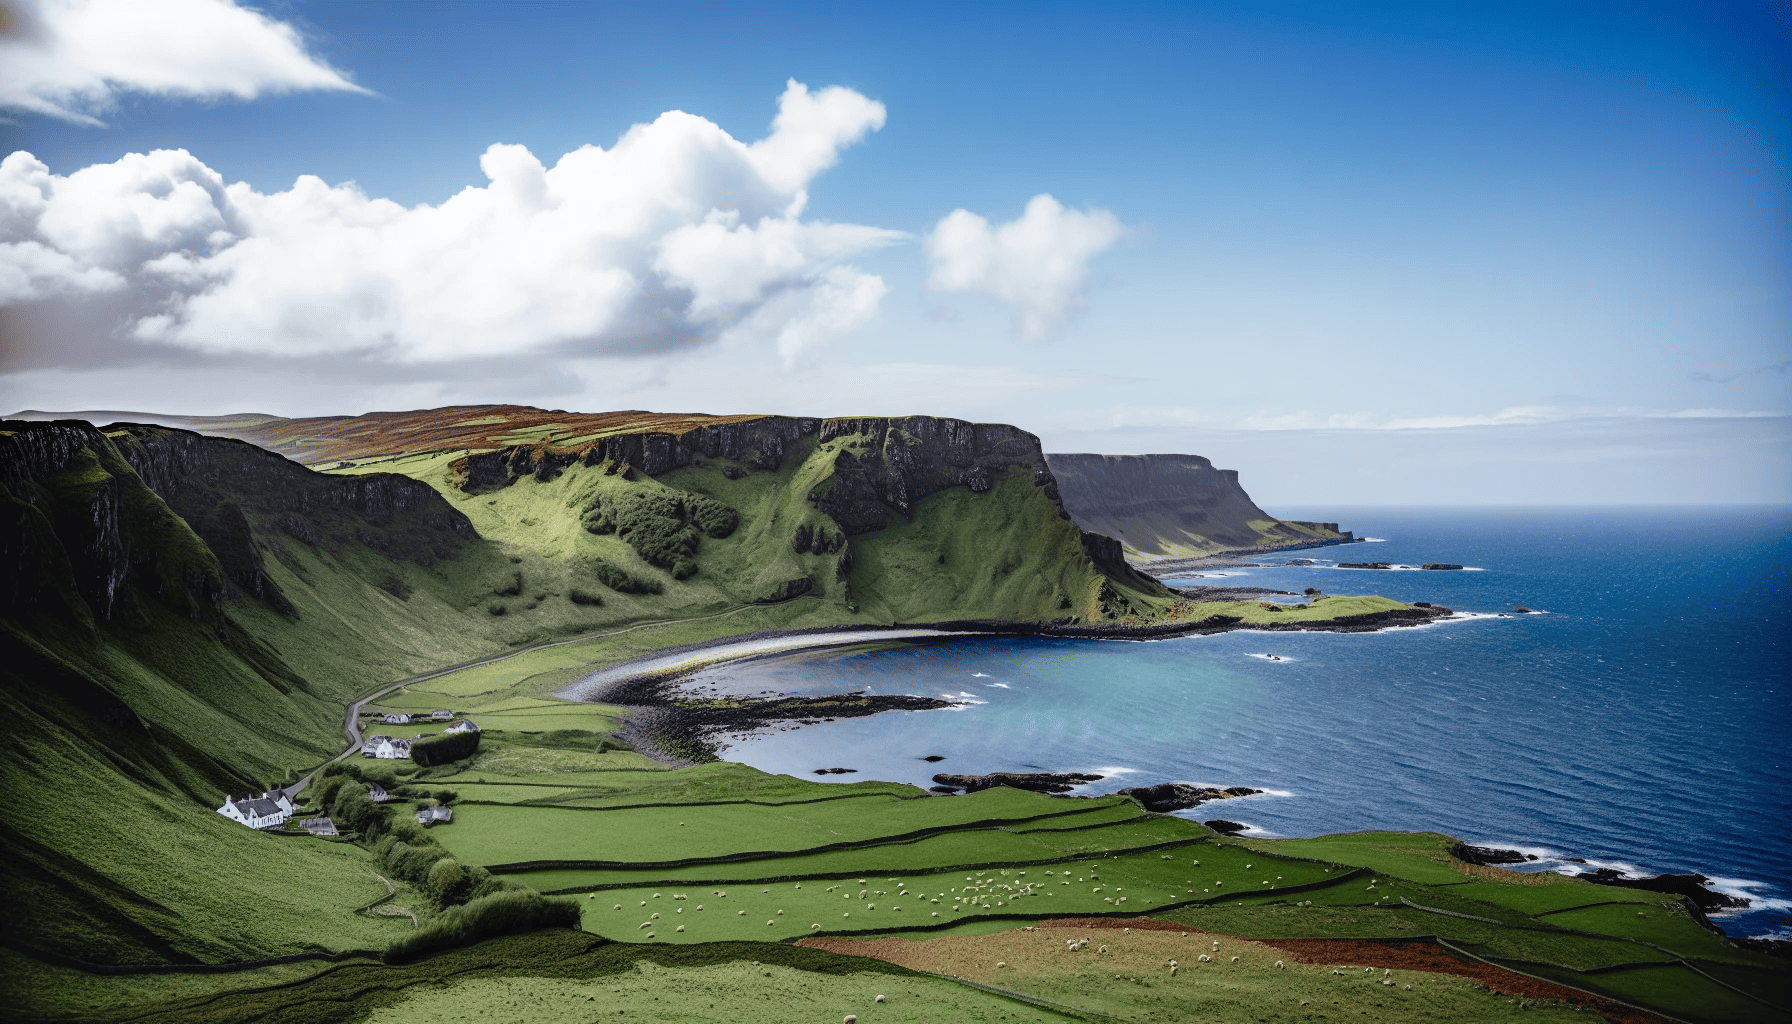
1004,686
1271,657
1744,888
1372,540
1113,770
981,675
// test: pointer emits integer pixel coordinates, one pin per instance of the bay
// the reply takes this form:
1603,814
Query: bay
1639,721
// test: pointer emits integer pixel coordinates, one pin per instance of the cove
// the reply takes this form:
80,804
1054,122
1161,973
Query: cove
1637,723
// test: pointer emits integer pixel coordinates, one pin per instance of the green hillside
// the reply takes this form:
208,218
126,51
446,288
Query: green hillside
183,617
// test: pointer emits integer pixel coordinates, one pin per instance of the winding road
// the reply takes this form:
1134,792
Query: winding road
351,722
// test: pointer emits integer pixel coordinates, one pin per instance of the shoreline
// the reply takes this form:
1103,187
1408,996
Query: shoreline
677,732
1157,568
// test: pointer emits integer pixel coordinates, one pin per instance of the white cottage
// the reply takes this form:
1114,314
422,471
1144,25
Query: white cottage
387,747
319,826
427,816
461,725
441,715
269,810
397,718
377,793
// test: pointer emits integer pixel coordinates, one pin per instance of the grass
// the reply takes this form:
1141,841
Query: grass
1145,880
489,835
1126,975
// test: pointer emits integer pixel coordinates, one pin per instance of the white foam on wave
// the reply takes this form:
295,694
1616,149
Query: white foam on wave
961,701
1744,888
1275,792
1113,770
1272,657
1004,686
981,675
1372,540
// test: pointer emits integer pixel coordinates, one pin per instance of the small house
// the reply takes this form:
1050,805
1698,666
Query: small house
441,715
377,793
428,816
319,826
397,718
461,725
386,747
269,810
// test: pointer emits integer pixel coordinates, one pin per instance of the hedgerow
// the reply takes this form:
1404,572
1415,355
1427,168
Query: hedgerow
445,747
503,913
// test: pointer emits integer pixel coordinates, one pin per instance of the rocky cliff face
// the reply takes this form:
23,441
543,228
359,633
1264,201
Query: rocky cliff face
884,465
1166,506
214,482
80,531
90,516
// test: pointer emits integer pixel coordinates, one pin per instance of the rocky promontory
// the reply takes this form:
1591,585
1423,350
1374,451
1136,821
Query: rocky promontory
1178,796
1038,782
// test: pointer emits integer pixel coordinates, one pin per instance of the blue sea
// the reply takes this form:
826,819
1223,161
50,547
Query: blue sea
1639,722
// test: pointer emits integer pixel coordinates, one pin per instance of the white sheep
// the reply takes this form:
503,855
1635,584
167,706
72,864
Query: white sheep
879,999
1280,966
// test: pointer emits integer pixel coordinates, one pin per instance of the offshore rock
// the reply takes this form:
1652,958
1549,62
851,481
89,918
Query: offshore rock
1440,565
1225,827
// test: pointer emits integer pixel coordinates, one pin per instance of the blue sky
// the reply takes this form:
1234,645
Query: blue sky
1406,252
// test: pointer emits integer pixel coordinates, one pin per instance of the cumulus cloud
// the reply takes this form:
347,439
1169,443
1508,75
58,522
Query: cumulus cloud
1038,263
71,59
676,235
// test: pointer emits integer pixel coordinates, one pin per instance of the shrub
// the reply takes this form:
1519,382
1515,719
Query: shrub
663,525
501,913
445,747
619,580
578,596
446,796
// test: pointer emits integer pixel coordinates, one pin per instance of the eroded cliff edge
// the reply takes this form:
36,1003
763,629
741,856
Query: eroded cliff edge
1175,506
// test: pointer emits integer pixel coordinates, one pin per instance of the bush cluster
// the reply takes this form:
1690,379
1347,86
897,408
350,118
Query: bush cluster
665,526
502,913
445,747
619,580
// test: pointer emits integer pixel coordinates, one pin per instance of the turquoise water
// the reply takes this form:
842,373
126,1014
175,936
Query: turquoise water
1641,722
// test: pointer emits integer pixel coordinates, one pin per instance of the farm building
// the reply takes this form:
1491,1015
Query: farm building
386,747
268,810
441,715
397,718
377,793
461,725
318,826
427,816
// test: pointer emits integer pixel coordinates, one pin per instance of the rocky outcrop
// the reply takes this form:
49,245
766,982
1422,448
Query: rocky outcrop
1165,506
1690,886
1038,782
1177,796
888,465
789,589
1487,855
1440,565
1224,827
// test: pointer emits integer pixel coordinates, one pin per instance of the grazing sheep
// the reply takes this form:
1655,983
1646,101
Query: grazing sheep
1103,948
618,906
681,927
852,1018
1280,966
1234,959
654,917
879,999
1204,958
1000,964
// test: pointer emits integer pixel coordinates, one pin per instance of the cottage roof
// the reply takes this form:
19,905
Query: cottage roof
257,807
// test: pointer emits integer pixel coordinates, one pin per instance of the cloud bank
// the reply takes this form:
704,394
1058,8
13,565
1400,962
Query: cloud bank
1038,263
676,235
71,59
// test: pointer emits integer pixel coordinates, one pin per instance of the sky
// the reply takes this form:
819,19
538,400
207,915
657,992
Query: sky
1364,253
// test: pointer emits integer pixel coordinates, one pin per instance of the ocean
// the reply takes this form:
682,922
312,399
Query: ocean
1640,721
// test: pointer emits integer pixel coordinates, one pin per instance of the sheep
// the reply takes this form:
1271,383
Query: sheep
1234,959
879,999
768,924
852,1018
1103,948
681,927
1000,964
654,917
742,913
1204,958
618,906
1280,966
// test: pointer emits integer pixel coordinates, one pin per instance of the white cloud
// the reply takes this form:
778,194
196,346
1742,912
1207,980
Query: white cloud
72,58
676,235
1038,263
1136,416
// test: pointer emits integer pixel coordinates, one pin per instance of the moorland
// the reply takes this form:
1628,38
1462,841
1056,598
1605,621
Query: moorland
188,614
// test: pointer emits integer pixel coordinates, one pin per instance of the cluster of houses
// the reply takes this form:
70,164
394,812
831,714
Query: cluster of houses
392,747
274,808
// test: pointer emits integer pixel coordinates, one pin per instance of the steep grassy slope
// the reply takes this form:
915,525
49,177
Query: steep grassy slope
1173,506
150,669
